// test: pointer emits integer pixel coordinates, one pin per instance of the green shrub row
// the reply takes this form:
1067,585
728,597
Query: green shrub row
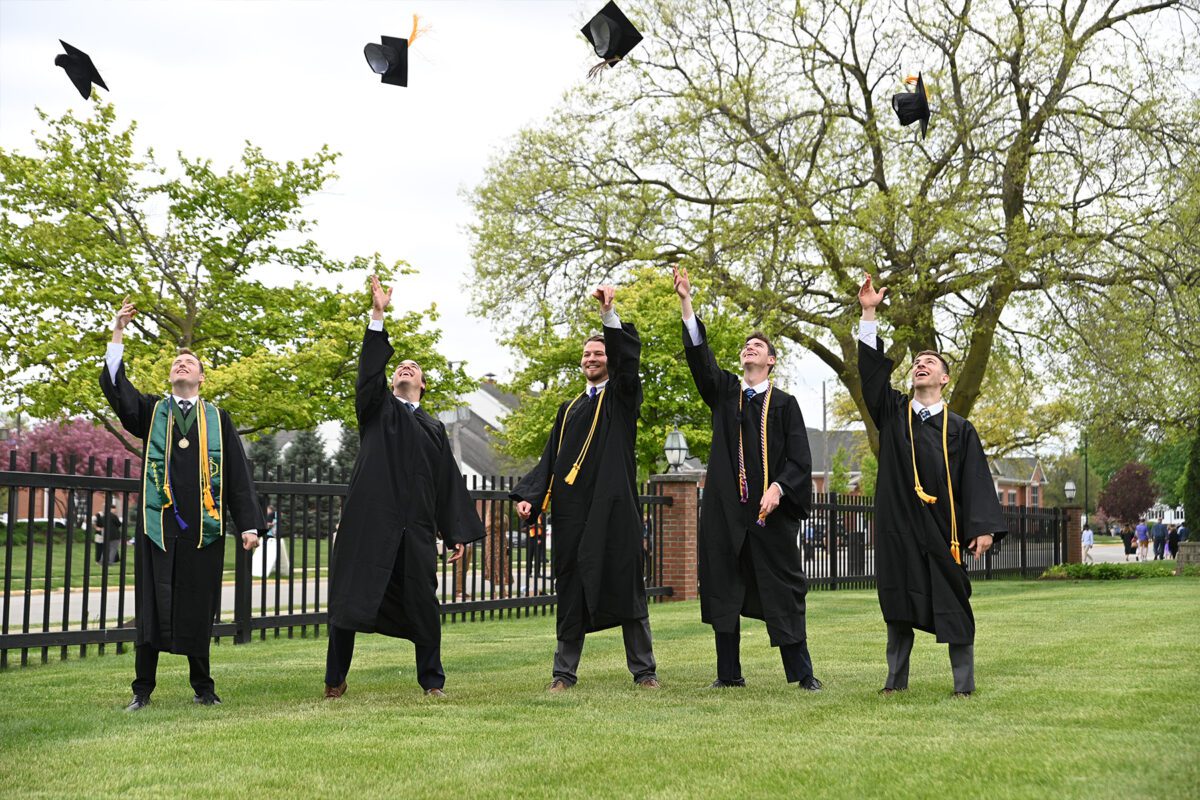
1120,571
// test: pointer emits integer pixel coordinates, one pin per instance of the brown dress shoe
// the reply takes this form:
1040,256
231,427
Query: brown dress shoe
557,686
434,692
650,683
334,692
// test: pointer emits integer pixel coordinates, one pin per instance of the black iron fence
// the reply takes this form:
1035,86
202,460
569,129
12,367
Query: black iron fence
68,573
838,542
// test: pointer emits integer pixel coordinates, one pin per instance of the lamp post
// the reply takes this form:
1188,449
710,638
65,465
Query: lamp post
676,450
1069,490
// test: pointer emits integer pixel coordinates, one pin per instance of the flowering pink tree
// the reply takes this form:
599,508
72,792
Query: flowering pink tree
78,438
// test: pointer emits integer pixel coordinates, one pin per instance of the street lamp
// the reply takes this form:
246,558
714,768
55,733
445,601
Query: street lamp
1069,489
676,449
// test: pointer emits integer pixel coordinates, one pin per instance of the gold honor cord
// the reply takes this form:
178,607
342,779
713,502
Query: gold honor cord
570,479
206,495
955,547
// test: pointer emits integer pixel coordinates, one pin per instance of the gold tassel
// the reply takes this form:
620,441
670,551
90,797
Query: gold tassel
570,479
928,498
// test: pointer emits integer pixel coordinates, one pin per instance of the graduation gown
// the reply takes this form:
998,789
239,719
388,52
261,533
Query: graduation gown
178,589
919,583
597,524
745,569
405,488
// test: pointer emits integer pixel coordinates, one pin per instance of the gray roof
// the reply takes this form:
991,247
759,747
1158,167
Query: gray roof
1020,469
853,441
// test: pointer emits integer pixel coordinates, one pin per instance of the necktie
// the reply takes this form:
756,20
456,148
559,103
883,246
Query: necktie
592,392
409,405
924,414
186,406
750,394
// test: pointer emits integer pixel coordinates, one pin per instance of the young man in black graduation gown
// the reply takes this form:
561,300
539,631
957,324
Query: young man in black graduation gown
924,523
750,564
589,468
195,472
404,490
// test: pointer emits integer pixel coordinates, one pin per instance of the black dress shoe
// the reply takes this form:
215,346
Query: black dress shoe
736,683
886,691
207,699
811,684
137,703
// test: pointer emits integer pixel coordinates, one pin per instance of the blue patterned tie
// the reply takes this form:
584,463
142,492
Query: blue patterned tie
924,414
592,392
750,394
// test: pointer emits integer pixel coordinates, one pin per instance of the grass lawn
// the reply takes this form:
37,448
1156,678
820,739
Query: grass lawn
1085,691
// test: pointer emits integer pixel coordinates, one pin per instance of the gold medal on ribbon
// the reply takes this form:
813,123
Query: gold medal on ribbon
184,443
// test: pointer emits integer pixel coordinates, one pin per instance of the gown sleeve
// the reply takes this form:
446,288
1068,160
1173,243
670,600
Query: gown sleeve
624,351
371,389
241,499
134,409
457,519
709,378
977,491
875,373
795,476
536,482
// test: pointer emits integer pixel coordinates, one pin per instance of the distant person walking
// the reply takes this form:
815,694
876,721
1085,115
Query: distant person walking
1142,532
1159,533
1126,535
1088,541
1183,532
1172,540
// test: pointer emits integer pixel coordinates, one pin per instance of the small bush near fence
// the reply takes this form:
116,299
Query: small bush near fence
1115,572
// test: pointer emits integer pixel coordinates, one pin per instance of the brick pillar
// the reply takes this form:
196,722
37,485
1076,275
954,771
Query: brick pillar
1074,529
677,536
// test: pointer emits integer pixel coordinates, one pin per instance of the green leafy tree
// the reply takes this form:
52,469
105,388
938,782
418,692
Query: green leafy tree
870,474
263,452
839,471
347,452
1190,490
306,451
550,373
753,142
86,221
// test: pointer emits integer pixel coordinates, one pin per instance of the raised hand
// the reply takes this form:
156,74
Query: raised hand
683,288
604,295
869,298
122,319
381,298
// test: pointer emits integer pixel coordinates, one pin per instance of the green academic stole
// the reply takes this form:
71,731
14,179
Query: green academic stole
157,488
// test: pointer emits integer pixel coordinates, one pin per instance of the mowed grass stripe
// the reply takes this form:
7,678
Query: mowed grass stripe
1085,690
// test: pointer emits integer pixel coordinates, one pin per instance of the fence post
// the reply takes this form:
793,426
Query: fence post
242,598
1069,523
676,536
1023,527
831,538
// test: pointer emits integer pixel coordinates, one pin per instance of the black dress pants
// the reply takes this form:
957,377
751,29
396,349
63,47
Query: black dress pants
341,652
145,661
797,662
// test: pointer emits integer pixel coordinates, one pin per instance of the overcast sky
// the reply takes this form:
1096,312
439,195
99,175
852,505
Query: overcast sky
204,77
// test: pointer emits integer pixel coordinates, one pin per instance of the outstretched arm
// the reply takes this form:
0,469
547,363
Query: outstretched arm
623,348
133,408
371,390
706,374
874,368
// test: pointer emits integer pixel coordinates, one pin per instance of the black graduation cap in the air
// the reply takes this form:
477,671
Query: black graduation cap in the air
612,36
389,60
913,106
79,69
